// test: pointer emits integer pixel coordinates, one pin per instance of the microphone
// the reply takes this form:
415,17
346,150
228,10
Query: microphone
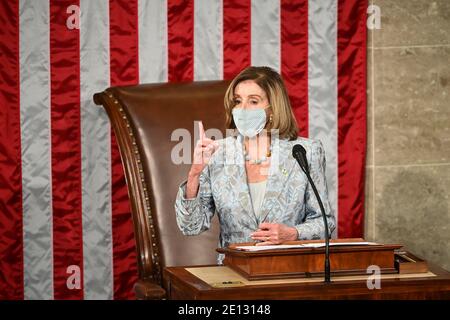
299,153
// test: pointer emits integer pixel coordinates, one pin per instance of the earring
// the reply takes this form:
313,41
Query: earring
270,119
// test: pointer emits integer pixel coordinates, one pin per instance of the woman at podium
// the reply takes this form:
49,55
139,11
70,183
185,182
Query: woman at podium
250,178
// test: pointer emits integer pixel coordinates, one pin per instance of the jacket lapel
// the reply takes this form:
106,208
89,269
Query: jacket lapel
237,177
281,167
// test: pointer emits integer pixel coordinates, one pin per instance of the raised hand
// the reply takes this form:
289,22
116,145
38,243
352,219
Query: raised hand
203,151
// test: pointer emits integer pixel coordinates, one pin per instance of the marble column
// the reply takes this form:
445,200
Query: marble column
408,115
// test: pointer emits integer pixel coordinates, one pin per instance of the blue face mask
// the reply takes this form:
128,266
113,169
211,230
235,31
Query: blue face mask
249,122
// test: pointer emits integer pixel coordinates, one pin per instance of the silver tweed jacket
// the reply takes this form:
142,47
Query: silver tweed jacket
288,199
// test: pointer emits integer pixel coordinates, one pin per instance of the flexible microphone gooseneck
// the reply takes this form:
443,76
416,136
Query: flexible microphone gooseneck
299,153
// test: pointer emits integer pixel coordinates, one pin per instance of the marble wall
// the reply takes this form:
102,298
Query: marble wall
408,122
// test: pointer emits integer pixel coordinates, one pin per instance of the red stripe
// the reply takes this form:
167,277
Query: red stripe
124,64
180,15
11,245
294,57
351,116
66,149
236,37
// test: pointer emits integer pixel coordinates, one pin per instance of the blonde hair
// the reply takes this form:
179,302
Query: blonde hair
270,81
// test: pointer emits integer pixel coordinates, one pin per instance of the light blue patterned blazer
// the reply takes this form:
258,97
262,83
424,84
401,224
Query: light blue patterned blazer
288,199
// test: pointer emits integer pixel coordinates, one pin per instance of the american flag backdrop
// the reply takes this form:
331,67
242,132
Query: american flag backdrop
65,223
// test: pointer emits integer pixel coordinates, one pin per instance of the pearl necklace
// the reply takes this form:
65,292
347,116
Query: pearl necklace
258,161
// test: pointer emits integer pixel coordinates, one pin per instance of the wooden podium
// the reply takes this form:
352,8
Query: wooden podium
345,259
298,274
185,283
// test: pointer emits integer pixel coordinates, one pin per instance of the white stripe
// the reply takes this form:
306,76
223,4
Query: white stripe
208,47
152,16
322,85
95,150
36,152
265,33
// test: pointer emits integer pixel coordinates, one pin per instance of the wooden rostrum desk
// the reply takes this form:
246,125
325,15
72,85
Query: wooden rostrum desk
298,274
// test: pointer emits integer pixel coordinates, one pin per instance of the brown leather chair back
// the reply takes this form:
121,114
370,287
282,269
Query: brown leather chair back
143,118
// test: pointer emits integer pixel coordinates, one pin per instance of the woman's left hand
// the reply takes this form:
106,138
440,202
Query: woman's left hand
274,233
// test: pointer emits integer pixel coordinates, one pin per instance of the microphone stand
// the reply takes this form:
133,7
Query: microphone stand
304,166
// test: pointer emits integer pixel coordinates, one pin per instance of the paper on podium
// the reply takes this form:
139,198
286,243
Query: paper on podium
306,245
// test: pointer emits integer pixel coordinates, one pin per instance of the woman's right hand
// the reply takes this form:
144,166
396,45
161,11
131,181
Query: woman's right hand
203,151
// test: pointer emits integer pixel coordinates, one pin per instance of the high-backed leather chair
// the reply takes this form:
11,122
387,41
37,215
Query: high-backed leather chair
143,118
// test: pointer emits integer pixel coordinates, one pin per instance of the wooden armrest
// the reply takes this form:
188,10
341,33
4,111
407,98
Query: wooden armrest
146,289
